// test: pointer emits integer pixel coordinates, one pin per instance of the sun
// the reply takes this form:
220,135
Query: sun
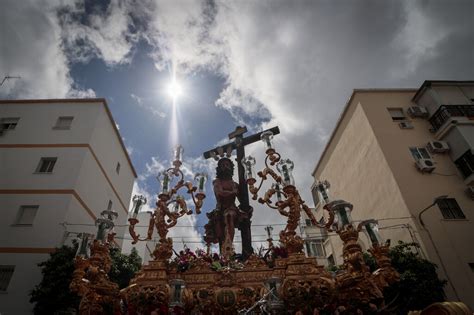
174,89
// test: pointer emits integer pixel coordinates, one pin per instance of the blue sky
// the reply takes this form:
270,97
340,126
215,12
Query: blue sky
288,63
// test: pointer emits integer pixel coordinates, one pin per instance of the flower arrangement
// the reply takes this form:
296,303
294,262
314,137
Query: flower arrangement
186,259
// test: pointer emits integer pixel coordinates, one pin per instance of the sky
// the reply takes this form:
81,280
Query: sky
291,64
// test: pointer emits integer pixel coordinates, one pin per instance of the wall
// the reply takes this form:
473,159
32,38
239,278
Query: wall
358,173
38,119
16,300
109,151
19,166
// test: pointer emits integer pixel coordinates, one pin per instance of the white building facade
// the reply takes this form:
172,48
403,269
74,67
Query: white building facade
62,162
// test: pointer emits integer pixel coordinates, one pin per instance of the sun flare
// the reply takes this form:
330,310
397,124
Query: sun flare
174,89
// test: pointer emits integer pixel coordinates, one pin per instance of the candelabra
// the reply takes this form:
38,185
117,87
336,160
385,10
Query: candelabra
92,265
290,204
352,251
163,218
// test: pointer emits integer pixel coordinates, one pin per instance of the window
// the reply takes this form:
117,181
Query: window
466,164
315,248
405,125
64,122
315,193
450,209
26,215
9,123
46,165
6,273
324,232
117,168
109,205
396,114
308,222
331,261
420,153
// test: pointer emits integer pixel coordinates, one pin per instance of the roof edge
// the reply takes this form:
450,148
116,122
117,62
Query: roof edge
53,100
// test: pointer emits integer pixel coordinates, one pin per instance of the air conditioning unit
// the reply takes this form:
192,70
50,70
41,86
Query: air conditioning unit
418,111
425,165
438,146
470,191
405,125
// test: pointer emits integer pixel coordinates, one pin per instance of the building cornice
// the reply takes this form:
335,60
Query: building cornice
27,250
80,100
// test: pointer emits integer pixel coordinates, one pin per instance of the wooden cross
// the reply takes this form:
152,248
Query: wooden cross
239,144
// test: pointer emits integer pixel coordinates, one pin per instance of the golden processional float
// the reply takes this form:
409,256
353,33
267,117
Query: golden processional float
283,281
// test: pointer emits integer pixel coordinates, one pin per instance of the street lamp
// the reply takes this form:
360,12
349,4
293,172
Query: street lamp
435,201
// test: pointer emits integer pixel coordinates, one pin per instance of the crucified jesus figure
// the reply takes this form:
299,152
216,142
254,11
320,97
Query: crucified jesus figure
226,216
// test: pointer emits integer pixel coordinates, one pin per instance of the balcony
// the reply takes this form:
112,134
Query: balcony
444,112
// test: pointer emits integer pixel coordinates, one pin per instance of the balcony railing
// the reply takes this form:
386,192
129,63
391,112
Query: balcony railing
444,112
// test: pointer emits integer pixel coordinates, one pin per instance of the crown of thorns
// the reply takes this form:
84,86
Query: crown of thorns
222,160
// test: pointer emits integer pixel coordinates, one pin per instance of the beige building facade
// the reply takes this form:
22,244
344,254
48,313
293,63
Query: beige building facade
401,155
62,162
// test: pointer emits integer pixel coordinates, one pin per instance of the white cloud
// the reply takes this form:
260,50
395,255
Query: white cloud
103,34
142,103
88,93
130,150
31,47
153,168
418,38
178,31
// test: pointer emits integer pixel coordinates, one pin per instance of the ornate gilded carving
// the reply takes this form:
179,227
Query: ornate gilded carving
444,308
164,249
91,282
147,297
163,218
386,274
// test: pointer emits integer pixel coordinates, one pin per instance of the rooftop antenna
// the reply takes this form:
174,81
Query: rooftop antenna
8,77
